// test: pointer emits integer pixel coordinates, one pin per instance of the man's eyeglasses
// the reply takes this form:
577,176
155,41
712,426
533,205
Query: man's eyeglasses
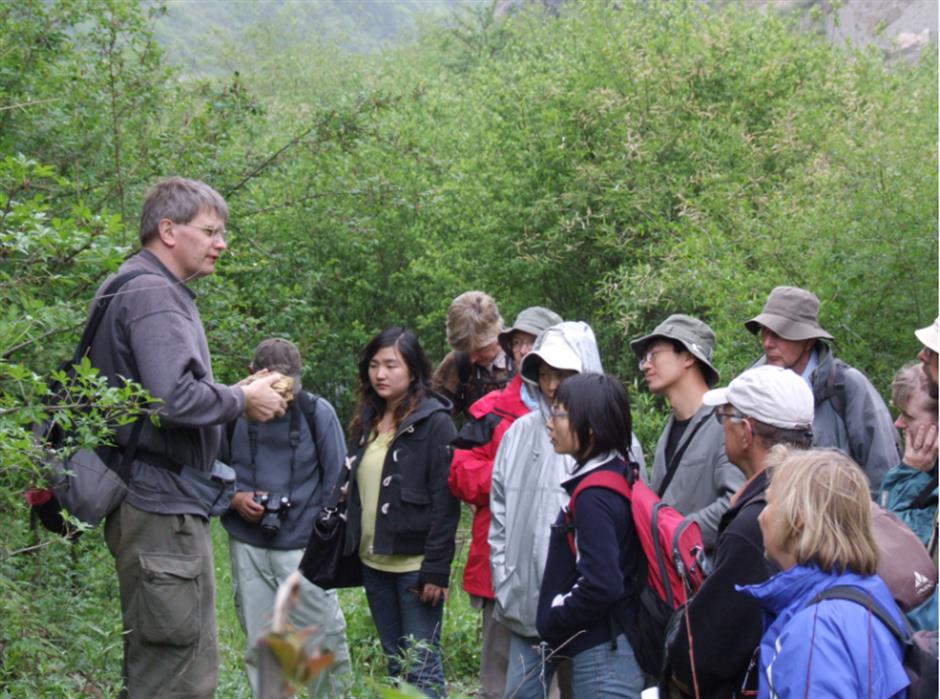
650,356
209,232
721,416
557,414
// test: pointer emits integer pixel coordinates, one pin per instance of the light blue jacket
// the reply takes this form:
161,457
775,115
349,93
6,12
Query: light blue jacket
830,650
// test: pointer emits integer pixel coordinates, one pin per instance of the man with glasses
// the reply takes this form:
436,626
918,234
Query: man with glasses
850,414
690,470
760,409
160,536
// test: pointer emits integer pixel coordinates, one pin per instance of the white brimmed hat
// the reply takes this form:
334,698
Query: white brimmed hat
773,395
930,336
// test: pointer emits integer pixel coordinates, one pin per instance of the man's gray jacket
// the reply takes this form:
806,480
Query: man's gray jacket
866,433
705,480
152,334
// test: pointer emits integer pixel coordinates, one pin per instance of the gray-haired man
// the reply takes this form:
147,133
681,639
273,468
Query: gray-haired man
160,536
850,414
761,408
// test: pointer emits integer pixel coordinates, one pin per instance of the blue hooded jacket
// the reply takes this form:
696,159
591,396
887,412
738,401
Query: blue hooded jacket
830,650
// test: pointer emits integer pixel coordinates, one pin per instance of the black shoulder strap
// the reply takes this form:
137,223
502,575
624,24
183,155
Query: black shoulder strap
308,406
464,369
925,497
835,382
854,594
677,456
99,309
84,345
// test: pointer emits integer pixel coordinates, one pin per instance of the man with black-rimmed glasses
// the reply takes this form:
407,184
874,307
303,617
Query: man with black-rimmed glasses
690,470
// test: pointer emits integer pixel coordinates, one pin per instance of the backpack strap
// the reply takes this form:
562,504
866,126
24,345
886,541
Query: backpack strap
597,479
84,346
464,370
925,497
677,456
835,387
100,307
854,594
308,406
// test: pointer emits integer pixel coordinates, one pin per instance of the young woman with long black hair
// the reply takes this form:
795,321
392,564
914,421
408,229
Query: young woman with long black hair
402,515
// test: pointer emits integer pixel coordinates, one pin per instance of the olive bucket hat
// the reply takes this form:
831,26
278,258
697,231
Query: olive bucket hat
532,320
792,313
695,336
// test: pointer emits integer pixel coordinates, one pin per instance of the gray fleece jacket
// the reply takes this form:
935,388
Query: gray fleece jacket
705,480
152,333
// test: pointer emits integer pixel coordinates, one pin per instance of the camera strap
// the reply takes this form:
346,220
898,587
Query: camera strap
293,437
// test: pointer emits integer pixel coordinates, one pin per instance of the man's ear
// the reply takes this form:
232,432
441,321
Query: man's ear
748,435
166,232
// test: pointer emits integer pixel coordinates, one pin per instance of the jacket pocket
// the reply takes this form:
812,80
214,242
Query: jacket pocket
169,599
414,512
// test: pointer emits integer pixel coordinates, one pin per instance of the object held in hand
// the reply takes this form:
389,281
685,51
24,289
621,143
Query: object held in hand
284,386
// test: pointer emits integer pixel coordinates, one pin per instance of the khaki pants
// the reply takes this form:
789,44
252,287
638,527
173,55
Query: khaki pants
167,579
256,575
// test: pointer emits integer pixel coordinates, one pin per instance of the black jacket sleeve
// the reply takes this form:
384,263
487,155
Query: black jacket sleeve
445,508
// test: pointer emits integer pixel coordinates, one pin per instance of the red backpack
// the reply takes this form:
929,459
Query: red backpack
674,555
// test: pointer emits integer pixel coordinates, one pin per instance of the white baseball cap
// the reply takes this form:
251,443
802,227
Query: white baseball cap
771,394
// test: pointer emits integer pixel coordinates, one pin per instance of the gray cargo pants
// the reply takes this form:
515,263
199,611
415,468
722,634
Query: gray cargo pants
167,580
256,575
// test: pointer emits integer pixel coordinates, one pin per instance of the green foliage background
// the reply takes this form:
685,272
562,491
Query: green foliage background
617,162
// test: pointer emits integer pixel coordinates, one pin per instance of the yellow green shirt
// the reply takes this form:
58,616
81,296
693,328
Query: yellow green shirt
369,482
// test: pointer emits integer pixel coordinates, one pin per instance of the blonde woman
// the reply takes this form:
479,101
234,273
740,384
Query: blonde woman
817,528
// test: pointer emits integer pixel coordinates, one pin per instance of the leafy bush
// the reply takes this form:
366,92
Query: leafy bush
617,162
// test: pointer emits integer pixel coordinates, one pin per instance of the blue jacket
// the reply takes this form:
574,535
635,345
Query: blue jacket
822,651
581,599
901,487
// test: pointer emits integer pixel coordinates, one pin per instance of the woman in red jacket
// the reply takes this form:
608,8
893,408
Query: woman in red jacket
470,476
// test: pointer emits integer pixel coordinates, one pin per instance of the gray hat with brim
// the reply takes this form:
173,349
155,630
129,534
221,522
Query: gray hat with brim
532,320
695,335
792,313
